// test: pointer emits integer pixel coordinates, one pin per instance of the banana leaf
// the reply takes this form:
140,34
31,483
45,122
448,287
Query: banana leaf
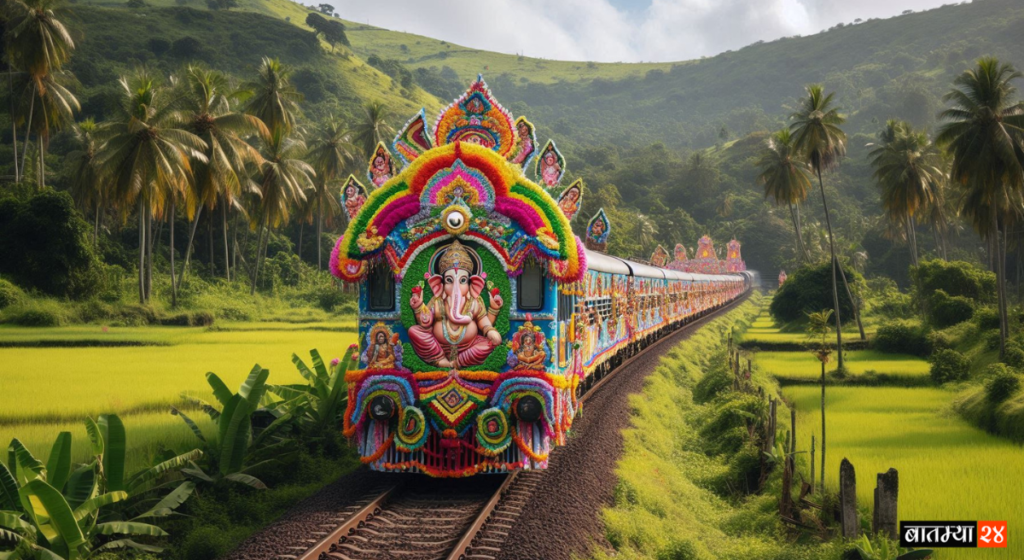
220,390
95,437
103,500
206,407
53,517
173,464
304,370
234,440
81,485
273,428
322,377
58,466
170,502
8,490
246,479
10,536
192,425
122,544
29,468
254,386
114,457
130,528
13,521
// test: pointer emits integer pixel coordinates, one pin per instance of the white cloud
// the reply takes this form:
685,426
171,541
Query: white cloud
665,30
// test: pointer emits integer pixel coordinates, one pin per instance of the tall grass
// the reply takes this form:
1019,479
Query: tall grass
805,367
948,469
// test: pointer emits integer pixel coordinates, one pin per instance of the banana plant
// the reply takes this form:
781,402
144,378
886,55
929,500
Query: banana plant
53,511
234,452
318,406
885,550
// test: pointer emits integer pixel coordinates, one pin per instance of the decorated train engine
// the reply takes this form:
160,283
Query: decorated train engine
482,318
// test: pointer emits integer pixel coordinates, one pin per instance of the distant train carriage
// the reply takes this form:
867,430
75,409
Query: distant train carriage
481,316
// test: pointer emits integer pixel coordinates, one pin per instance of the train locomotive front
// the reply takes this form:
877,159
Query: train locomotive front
479,320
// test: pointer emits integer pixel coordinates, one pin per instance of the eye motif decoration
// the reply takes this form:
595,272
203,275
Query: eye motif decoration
456,220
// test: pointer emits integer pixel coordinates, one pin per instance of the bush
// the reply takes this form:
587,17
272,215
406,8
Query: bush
949,365
1001,387
9,293
947,310
987,318
1014,355
900,337
206,543
955,278
679,550
36,313
992,340
809,290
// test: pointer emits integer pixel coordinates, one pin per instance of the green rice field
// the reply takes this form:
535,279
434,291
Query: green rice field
764,331
805,367
948,469
46,390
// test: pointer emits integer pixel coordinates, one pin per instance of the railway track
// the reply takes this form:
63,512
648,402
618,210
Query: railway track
442,519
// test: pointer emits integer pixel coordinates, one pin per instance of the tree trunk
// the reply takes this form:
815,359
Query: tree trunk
911,240
319,235
149,255
96,228
1000,247
234,244
209,240
855,301
302,229
835,294
823,428
174,284
28,132
188,248
224,228
14,125
258,257
142,249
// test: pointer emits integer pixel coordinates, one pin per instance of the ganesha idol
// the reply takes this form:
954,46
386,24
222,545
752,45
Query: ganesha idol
456,328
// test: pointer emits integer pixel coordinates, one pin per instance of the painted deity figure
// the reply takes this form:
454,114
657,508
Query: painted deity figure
550,169
524,143
380,169
383,351
597,230
531,355
456,329
569,202
353,200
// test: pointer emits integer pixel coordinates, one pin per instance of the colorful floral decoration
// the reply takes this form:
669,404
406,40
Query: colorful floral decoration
550,165
526,143
704,260
678,258
349,270
493,432
382,166
733,260
476,118
353,196
412,430
528,348
571,199
659,257
414,138
598,230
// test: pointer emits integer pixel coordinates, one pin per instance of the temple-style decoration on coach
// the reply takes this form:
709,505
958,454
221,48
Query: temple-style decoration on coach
479,321
598,230
659,257
704,260
550,166
679,260
382,166
733,260
571,199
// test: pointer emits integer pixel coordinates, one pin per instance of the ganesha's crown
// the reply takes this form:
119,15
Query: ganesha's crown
456,256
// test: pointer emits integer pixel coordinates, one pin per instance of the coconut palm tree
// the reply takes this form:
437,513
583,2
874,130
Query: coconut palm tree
146,161
206,111
84,182
907,168
644,231
330,154
36,43
818,136
373,128
274,100
786,179
51,107
984,133
283,180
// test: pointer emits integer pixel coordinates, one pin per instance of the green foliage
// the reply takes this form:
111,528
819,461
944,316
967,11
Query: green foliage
987,318
43,240
9,293
954,278
949,365
946,310
887,300
901,337
809,290
1001,387
317,407
35,313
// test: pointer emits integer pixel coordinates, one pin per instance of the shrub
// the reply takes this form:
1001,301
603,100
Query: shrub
9,293
679,550
900,337
1014,356
987,318
992,340
809,290
36,313
205,543
1001,387
947,310
956,278
949,365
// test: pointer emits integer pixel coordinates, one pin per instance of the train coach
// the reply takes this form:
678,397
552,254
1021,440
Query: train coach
482,318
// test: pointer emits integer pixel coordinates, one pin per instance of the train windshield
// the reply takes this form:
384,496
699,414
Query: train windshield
381,284
531,287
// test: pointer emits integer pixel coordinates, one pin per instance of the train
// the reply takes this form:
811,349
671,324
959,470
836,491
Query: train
482,316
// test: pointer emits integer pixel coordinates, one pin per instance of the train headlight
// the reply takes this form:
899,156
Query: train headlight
382,408
456,220
528,409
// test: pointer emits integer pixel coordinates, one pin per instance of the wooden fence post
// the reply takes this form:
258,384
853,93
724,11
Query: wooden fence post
886,496
848,500
812,463
792,430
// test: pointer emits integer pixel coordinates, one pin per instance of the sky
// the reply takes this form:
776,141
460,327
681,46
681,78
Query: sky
616,30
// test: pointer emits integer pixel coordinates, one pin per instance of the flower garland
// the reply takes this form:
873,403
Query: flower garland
525,449
380,451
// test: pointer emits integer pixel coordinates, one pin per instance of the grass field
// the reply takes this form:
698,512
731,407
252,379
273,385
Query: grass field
48,390
804,367
764,331
948,469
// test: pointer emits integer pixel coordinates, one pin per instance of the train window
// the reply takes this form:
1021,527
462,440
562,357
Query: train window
531,287
381,285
